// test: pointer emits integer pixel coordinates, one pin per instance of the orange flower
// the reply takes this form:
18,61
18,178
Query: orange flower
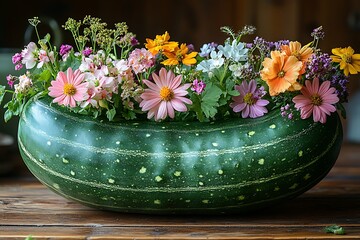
180,55
160,44
301,53
281,72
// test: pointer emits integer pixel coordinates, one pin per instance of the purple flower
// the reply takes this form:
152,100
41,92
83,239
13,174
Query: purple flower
11,80
198,86
134,41
191,48
318,33
319,65
18,66
87,51
17,58
249,102
65,49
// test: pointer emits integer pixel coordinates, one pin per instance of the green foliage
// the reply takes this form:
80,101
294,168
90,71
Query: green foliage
2,93
335,229
208,102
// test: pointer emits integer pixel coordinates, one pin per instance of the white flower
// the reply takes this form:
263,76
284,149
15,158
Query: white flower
236,51
216,60
24,84
29,55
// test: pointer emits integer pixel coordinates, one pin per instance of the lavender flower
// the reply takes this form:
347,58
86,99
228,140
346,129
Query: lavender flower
319,65
318,33
339,82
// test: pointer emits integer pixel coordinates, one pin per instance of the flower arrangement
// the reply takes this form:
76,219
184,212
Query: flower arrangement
108,73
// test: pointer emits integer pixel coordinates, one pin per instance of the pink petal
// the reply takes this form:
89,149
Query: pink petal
252,86
170,109
175,83
246,111
149,94
178,105
151,85
324,88
149,104
162,112
239,107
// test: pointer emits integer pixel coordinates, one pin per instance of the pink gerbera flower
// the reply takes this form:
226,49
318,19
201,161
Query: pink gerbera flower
249,102
316,100
67,89
165,95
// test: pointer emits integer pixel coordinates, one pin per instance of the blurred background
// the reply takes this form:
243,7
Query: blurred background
188,21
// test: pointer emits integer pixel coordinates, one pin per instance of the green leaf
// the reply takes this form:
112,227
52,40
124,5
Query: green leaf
2,93
8,115
71,61
209,101
196,107
110,114
335,229
45,75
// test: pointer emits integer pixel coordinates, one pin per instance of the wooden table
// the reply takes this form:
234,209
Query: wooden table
29,208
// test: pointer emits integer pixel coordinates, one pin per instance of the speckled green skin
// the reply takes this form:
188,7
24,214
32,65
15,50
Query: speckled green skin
181,168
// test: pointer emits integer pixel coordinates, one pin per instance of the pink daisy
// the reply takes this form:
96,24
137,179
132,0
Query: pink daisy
249,102
316,100
67,89
165,95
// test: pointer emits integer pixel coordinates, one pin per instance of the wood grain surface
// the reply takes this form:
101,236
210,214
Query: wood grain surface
29,208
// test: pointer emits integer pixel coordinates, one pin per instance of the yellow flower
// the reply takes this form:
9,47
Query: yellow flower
349,62
180,55
160,44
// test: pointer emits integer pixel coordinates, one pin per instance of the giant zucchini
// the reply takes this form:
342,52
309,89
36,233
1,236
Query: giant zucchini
176,167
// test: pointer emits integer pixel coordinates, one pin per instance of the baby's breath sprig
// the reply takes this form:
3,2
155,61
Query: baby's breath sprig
74,27
34,22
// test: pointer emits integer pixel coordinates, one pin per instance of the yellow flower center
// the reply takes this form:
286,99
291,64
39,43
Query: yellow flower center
348,59
166,94
69,89
281,74
248,99
316,100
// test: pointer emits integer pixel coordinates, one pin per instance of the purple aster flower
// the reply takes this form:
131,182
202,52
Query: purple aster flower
65,49
249,102
87,51
198,86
